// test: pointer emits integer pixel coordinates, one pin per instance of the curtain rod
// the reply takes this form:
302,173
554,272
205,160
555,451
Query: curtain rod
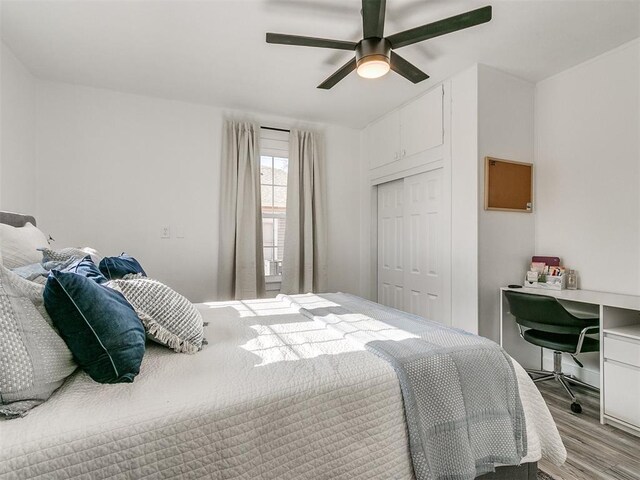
277,129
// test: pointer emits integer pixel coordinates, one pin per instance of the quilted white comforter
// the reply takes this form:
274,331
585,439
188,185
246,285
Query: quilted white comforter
273,396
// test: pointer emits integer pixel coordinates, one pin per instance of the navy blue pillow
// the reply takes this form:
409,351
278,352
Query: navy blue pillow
117,267
86,268
98,325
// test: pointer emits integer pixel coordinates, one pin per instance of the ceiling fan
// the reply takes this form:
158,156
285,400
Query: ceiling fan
375,54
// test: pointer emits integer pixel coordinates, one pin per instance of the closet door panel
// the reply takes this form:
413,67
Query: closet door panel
414,239
423,283
434,252
390,244
410,250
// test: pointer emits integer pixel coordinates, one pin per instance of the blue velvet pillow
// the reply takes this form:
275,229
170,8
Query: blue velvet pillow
98,325
117,267
86,268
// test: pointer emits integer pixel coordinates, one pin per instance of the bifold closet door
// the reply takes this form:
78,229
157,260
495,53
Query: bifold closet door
410,252
390,244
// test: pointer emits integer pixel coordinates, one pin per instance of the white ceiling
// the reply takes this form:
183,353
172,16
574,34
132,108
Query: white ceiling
214,51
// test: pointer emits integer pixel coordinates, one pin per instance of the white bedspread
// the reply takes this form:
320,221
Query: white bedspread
273,396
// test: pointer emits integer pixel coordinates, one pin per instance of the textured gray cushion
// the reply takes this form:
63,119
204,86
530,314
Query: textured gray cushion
19,245
68,253
30,272
168,317
34,360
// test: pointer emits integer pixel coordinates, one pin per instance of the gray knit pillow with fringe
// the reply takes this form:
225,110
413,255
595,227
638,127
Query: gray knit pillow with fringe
168,317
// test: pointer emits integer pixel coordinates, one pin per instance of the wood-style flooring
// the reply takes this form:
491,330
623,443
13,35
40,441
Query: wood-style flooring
594,451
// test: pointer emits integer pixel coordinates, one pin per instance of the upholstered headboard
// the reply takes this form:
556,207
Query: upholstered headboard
16,219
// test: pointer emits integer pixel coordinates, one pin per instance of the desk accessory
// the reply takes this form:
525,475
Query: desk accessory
551,261
550,276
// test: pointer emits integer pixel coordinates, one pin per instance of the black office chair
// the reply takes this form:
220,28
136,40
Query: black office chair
544,322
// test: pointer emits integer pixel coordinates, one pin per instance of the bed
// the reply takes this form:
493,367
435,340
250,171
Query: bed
274,395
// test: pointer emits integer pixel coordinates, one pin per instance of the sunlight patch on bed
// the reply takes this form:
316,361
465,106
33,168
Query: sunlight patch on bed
290,342
254,308
361,326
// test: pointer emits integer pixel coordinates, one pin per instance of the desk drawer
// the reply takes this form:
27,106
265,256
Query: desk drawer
621,392
622,349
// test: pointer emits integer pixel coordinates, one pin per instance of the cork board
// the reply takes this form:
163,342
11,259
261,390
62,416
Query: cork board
508,185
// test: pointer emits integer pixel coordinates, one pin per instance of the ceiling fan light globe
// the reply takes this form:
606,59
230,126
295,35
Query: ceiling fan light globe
373,67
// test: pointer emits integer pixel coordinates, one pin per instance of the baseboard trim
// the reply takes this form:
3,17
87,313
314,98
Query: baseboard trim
627,427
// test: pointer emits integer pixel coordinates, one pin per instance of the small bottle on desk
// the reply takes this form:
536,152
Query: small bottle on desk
572,280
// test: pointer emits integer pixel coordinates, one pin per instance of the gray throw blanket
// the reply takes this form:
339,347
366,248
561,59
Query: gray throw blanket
460,390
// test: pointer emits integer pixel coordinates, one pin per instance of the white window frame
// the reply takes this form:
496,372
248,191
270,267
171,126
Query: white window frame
273,144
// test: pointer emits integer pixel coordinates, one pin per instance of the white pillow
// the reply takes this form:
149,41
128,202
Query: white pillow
19,245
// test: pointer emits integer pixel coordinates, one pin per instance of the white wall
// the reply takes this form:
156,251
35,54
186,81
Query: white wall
505,239
368,208
588,176
464,194
17,135
588,170
113,168
491,115
343,207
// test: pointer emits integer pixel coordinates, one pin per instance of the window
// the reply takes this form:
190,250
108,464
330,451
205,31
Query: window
274,167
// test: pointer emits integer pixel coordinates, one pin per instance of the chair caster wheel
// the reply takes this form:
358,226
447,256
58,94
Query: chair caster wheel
576,408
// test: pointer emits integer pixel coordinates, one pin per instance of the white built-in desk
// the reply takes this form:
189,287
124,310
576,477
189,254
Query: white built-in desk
619,359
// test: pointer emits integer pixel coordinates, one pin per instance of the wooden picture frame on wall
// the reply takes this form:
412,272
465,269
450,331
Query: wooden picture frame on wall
508,185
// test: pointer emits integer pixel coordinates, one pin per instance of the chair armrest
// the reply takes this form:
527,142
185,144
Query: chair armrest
583,333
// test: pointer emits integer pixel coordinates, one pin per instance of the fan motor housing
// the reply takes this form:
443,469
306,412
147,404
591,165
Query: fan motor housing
373,49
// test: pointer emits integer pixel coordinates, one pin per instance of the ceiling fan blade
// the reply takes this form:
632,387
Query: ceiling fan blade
284,39
406,69
373,18
345,70
441,27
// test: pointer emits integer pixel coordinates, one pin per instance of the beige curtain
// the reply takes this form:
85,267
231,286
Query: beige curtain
304,265
240,261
